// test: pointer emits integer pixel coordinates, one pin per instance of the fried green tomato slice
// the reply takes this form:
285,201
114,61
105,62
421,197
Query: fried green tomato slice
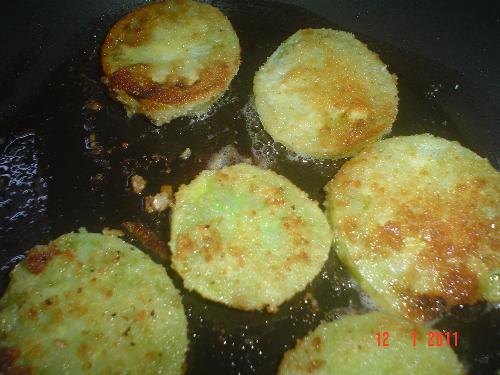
170,58
350,346
89,303
416,221
324,94
247,237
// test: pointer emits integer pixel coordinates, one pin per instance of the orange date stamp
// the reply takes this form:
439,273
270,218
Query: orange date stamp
434,339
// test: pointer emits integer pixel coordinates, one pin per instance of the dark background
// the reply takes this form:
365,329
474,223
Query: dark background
464,35
447,57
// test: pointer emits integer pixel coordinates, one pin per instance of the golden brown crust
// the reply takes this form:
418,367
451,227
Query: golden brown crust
163,78
453,227
349,346
338,89
147,237
8,359
91,302
37,260
247,237
136,82
429,202
325,94
133,29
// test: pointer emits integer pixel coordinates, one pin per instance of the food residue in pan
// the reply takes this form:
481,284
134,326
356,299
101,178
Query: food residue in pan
223,340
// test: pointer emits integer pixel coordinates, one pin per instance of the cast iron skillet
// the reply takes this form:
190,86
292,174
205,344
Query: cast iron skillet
64,166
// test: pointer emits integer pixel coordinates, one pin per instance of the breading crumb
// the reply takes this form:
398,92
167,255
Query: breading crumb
227,155
159,202
138,183
167,189
185,154
112,232
93,105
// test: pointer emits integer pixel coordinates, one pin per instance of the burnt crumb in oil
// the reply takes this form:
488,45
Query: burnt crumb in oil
86,150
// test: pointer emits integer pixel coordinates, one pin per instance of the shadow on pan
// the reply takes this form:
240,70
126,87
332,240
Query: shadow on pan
64,166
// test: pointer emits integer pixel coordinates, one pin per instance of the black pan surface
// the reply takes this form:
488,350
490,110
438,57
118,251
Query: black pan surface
64,166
